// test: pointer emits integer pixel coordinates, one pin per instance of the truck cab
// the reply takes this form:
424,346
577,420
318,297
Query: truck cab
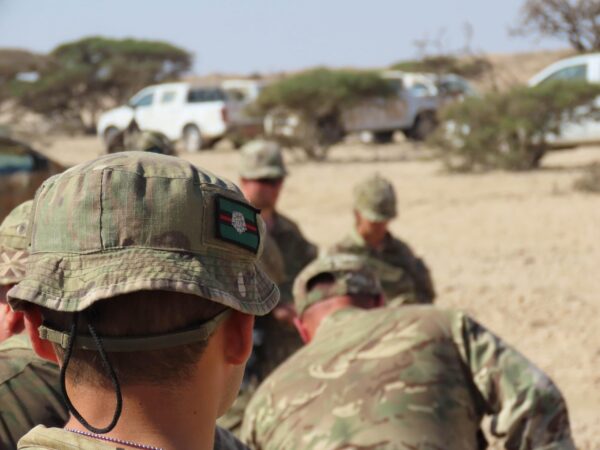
195,115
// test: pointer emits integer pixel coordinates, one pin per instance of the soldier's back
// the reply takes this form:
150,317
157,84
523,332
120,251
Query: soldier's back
29,392
379,379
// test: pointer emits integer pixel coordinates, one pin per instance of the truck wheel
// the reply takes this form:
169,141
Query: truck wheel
192,139
424,125
383,137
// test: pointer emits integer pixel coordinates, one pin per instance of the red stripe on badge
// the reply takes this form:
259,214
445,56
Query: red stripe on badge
226,218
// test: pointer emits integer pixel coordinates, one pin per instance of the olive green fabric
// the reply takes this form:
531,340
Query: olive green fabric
297,251
375,199
29,392
404,276
261,160
415,377
351,276
42,438
137,221
14,243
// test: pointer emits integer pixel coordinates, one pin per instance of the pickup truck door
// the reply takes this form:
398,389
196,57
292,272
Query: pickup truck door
143,105
168,111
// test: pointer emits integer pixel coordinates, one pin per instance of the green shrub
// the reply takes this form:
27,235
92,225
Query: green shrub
322,92
590,180
510,130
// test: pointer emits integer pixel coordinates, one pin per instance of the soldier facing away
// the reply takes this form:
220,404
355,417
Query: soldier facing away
416,377
404,276
29,386
142,284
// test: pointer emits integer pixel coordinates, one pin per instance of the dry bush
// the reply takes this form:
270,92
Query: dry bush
590,180
510,130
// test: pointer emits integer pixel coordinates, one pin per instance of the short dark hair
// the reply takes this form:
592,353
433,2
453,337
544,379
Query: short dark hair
137,314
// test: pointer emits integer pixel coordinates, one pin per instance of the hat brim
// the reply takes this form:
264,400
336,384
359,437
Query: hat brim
373,216
73,282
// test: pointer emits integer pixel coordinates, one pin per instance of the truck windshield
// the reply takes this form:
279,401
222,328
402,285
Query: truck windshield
205,95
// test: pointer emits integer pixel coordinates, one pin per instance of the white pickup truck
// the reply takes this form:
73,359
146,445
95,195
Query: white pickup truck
577,68
196,115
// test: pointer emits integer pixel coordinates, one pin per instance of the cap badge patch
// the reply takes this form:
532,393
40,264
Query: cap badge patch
237,223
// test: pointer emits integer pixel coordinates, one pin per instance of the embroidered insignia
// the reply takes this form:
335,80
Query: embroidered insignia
237,223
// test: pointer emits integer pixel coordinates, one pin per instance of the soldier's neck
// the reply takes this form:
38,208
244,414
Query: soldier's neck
167,419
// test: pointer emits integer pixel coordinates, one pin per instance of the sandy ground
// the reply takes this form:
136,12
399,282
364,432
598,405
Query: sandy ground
520,252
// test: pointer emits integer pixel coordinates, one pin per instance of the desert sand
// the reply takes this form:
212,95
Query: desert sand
520,252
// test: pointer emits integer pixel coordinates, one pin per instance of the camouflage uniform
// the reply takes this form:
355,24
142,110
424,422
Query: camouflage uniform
41,438
29,386
136,221
286,253
416,377
404,276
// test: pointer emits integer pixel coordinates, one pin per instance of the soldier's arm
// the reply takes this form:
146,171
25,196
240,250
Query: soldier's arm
527,409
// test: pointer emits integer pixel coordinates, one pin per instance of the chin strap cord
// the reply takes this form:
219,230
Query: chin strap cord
107,366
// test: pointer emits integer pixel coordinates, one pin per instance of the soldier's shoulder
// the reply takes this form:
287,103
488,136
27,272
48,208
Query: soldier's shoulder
348,244
397,245
284,223
15,357
43,438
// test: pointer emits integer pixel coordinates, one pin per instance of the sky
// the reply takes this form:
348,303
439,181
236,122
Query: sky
250,36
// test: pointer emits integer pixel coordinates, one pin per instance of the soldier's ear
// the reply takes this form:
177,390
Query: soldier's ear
42,347
238,330
302,331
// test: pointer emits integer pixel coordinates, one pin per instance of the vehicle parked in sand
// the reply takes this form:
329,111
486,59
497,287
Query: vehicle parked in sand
576,68
412,110
195,115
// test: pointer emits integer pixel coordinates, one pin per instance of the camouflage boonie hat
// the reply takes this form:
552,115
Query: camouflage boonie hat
375,199
350,274
13,244
137,221
261,159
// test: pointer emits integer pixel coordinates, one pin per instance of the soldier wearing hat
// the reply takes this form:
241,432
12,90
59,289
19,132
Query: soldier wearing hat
142,283
29,386
412,377
262,172
404,276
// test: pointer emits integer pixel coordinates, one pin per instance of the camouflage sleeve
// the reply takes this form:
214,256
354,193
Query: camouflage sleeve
527,409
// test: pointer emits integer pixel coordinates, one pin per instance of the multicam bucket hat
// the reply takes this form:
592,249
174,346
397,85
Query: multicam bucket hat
375,199
350,276
261,159
137,221
13,244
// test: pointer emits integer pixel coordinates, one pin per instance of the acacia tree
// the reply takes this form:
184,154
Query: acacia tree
90,74
577,21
